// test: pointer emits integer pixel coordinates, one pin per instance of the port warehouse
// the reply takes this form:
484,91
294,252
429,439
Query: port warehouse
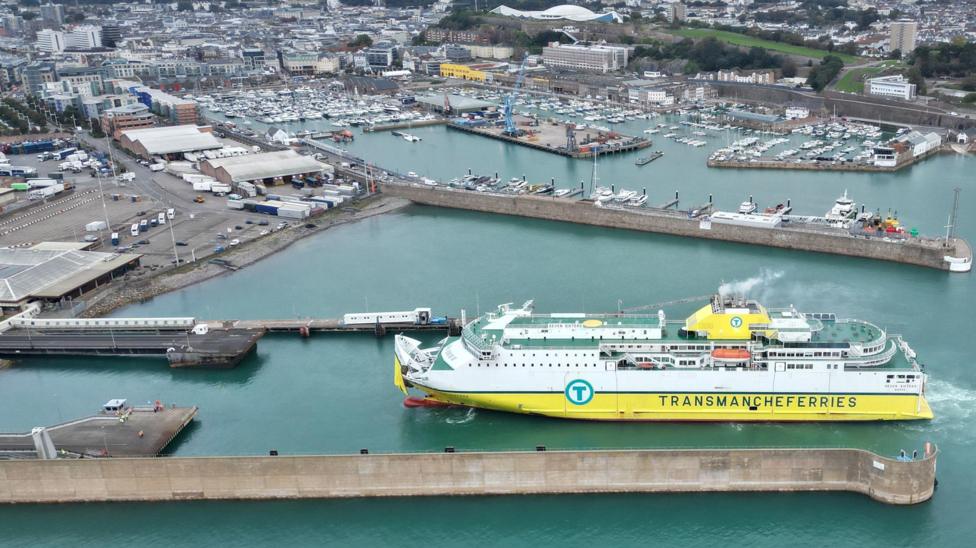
268,168
56,272
169,142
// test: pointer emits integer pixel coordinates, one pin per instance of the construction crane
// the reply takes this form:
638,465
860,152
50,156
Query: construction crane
510,128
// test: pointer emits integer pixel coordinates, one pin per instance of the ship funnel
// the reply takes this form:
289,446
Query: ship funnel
660,317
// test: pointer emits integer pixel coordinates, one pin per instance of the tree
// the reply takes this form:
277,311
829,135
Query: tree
361,41
788,68
894,54
915,77
29,15
825,72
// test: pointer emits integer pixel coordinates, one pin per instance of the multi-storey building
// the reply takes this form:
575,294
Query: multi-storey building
132,116
50,41
891,86
596,58
84,37
903,35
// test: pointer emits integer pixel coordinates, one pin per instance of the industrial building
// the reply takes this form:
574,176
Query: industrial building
463,72
57,271
456,104
168,142
268,168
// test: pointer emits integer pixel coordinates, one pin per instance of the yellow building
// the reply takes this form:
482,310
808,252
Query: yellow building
464,72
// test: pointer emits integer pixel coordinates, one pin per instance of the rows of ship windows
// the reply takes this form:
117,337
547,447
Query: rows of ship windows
773,353
533,364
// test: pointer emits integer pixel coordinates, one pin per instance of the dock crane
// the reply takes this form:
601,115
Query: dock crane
510,129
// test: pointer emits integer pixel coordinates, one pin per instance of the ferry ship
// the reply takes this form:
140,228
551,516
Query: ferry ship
732,360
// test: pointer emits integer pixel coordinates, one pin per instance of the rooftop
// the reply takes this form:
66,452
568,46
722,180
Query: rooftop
266,165
52,270
172,139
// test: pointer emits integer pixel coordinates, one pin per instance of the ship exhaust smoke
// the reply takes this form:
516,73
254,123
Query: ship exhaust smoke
749,286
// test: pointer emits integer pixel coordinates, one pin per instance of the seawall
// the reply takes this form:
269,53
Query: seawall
447,474
920,252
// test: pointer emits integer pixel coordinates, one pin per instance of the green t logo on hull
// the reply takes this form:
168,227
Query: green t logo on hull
579,392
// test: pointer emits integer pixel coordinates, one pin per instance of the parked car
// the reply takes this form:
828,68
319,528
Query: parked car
181,243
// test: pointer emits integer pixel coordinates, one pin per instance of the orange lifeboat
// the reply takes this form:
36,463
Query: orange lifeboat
731,354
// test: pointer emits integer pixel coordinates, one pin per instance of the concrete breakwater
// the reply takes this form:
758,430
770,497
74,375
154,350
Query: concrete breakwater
446,474
917,251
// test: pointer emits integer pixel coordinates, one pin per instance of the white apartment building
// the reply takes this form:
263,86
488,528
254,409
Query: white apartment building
50,41
891,86
597,58
84,37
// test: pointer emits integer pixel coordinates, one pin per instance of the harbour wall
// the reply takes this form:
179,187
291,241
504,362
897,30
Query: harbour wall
448,474
928,253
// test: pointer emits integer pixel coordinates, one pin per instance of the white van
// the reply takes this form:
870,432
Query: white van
135,229
161,218
170,213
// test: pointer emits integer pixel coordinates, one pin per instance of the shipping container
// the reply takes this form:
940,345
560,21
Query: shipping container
265,208
202,186
219,187
57,175
40,183
157,167
19,186
235,204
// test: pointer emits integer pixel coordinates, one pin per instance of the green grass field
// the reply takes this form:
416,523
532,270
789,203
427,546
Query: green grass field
749,41
853,81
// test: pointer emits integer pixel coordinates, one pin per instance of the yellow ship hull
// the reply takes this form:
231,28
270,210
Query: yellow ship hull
700,406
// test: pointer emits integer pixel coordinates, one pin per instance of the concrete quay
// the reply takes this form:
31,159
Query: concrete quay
450,474
404,125
134,432
323,325
225,348
931,253
555,142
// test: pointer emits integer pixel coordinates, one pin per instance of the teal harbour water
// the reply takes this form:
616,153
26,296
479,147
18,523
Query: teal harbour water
331,394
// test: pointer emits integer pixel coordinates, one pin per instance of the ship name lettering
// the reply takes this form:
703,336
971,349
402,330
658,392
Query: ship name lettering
756,400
